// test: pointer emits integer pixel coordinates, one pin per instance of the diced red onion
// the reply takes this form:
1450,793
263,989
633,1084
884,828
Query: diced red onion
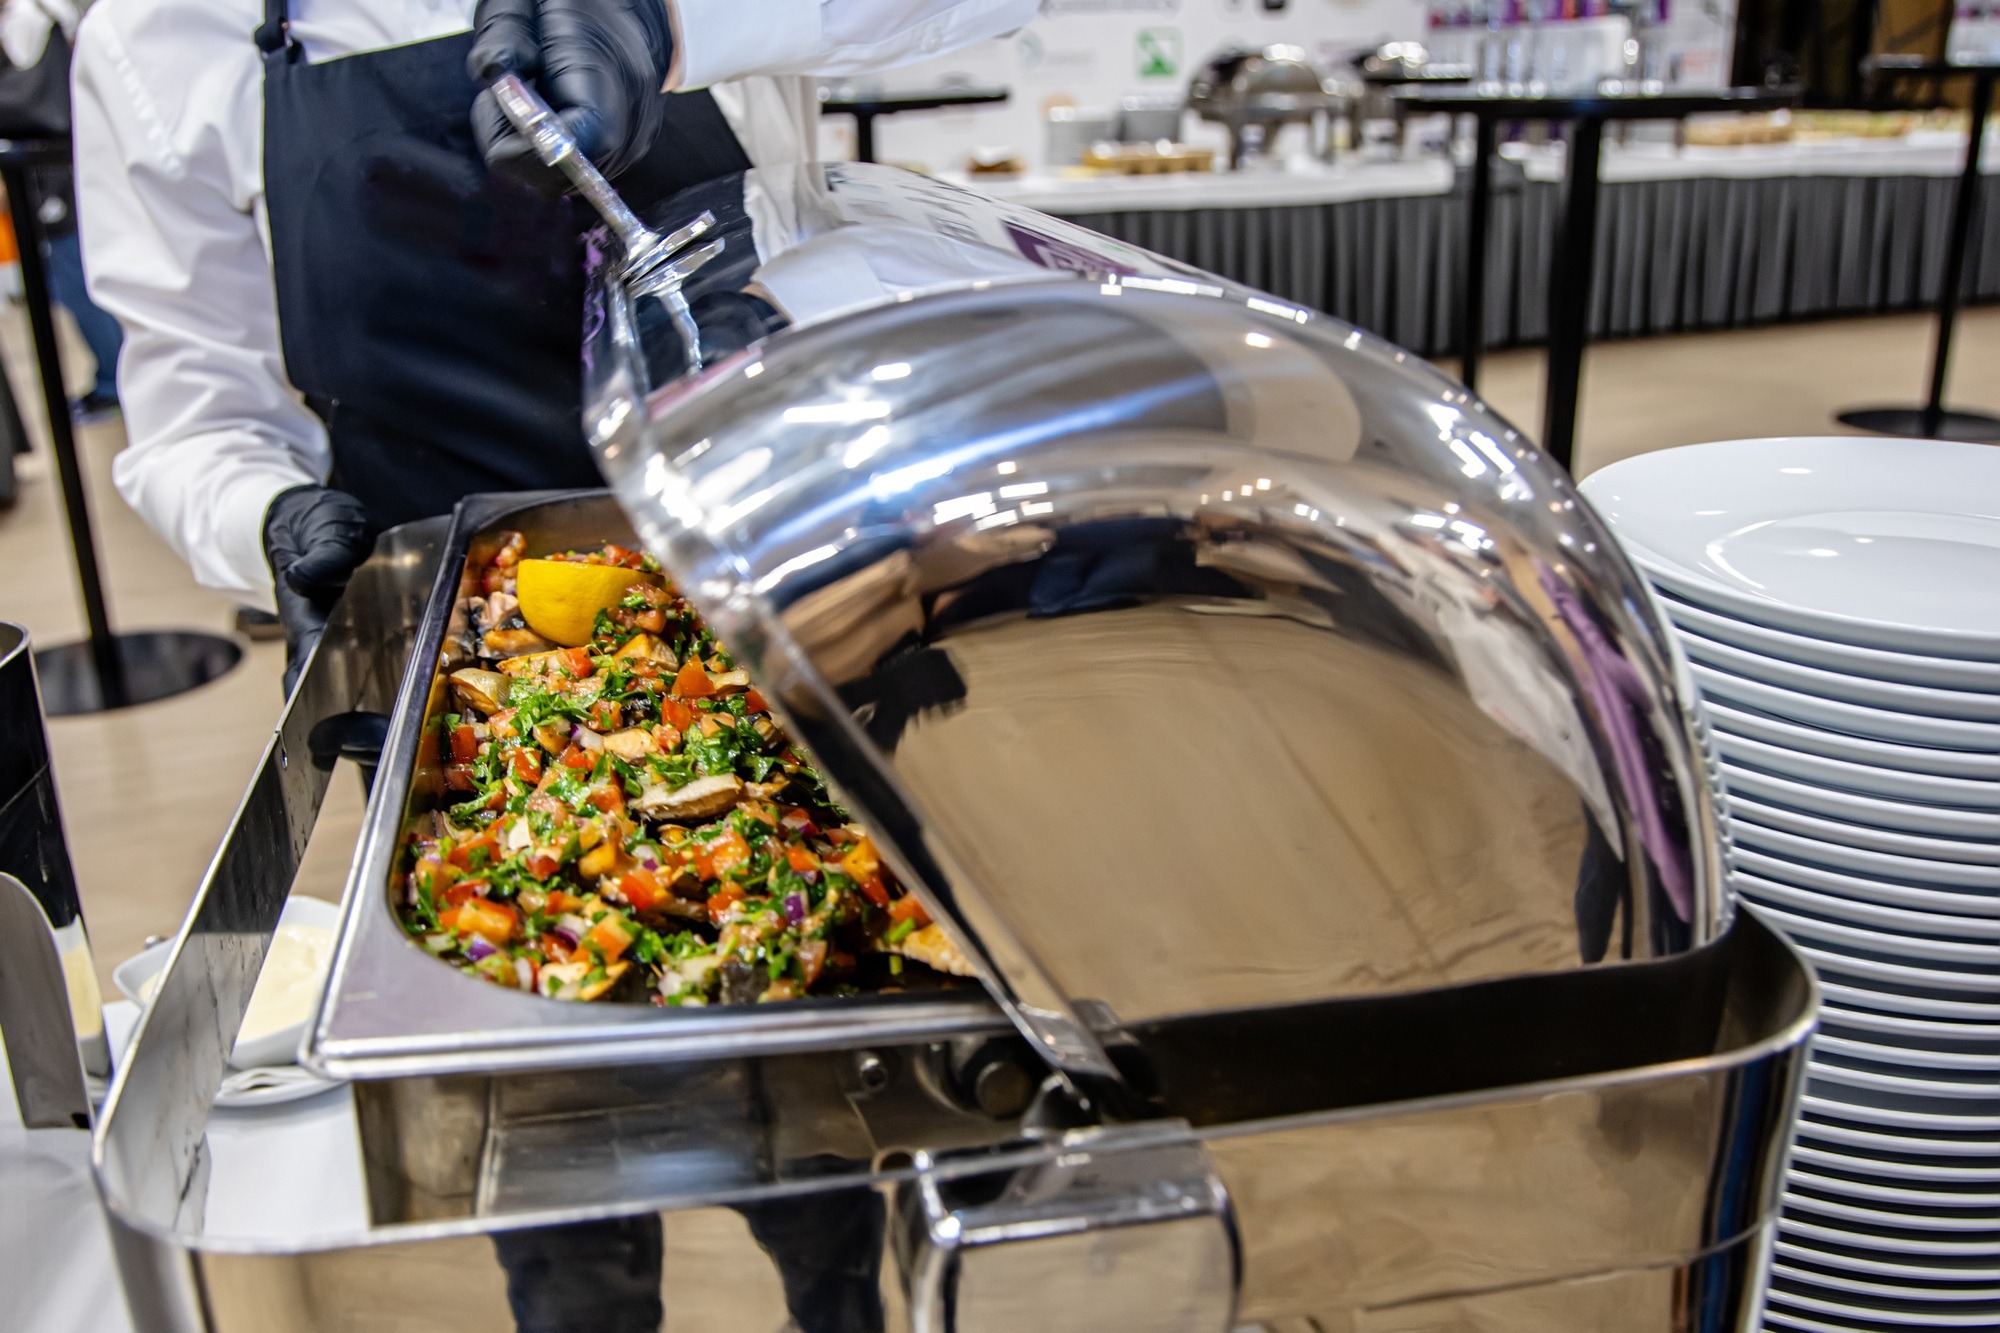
571,927
795,908
479,947
648,858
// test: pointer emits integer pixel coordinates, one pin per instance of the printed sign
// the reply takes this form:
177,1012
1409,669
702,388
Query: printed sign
1159,51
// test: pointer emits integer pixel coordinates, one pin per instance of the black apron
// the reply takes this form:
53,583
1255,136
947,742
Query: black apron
430,312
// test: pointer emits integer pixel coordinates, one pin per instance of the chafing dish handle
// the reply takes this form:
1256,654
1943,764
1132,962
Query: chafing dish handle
1129,1218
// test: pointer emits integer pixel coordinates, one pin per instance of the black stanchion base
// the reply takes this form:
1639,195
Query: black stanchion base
159,664
1908,422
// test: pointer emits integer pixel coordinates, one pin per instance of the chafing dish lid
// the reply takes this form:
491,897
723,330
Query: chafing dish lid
1188,650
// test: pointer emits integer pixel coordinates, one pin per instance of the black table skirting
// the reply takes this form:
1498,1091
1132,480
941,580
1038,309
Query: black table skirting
1673,255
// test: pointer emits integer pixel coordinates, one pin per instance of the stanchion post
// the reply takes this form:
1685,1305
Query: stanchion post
24,206
1569,291
1964,206
1478,221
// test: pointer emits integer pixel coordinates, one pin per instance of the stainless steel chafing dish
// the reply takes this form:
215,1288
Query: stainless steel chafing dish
1308,775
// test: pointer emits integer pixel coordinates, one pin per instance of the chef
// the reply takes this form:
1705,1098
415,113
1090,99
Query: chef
350,294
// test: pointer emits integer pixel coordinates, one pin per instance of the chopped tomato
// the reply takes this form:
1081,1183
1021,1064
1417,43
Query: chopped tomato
527,763
801,859
464,743
691,682
510,554
797,822
462,854
667,738
496,922
719,901
576,757
753,701
721,855
459,777
839,836
460,894
611,936
876,894
542,863
561,901
492,581
435,874
608,716
653,622
618,555
502,722
577,662
677,714
607,796
642,889
908,908
861,862
555,948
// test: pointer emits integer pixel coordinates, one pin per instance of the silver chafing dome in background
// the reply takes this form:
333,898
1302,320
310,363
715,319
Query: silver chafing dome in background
1190,651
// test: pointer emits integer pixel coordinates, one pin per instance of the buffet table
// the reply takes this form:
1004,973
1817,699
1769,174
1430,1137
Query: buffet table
1693,238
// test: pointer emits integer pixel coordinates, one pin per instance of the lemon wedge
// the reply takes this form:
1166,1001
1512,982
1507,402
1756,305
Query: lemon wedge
560,599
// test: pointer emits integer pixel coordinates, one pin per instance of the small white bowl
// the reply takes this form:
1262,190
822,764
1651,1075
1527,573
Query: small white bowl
280,1047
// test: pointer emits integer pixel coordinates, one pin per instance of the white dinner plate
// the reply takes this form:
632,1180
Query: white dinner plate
1952,958
1980,1063
1905,1195
1844,982
1867,915
1938,1034
1889,543
1948,673
1928,700
1947,733
1792,735
1974,826
1863,779
1930,1174
1971,1219
1944,1084
1834,834
1799,1278
1939,1119
1946,900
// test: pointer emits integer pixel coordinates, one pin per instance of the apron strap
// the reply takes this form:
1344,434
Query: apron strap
274,34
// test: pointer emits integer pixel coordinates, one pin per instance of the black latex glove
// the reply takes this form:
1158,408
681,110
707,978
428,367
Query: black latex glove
314,539
600,64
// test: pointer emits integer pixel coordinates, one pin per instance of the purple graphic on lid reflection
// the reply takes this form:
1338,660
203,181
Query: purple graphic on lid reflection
1618,691
1064,256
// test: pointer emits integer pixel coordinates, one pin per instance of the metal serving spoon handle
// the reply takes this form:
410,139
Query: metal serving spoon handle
644,248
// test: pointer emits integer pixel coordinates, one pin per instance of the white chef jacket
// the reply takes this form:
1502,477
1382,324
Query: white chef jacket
169,150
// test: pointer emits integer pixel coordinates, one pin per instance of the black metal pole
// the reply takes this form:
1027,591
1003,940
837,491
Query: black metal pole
864,136
24,205
1569,291
1478,220
1952,283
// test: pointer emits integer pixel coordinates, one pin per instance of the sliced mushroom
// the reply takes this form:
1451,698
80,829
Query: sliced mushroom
645,645
532,663
514,643
632,745
703,798
483,690
730,682
932,948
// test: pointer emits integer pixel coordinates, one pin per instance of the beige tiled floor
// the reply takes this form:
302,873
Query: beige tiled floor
149,792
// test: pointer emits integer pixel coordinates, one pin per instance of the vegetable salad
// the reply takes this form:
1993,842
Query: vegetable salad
625,819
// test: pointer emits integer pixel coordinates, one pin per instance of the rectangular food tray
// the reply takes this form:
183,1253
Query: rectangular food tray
390,1010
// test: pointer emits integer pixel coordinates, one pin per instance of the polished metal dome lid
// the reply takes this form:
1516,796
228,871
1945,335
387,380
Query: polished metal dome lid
1189,651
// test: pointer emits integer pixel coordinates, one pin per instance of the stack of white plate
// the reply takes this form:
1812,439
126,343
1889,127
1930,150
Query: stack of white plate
1840,602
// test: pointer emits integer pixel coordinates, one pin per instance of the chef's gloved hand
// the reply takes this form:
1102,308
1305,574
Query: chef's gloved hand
314,539
600,64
